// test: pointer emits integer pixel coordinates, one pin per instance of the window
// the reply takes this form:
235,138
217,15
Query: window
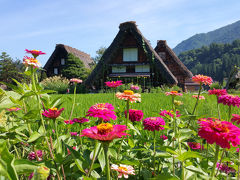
118,69
55,70
130,54
142,68
62,61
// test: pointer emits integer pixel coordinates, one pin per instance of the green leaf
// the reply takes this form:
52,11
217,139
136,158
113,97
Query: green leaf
79,164
133,128
31,114
46,92
23,166
189,154
101,159
28,94
35,135
165,177
131,143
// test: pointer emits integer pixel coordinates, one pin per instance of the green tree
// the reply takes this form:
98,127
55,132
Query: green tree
99,53
74,68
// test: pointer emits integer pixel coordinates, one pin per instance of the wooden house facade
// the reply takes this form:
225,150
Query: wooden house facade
131,58
57,60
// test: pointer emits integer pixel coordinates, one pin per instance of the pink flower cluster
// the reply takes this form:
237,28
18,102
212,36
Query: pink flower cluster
225,168
68,122
32,155
134,87
200,97
236,118
124,170
52,113
195,145
103,111
229,100
163,137
217,92
201,79
222,133
113,84
134,115
29,61
173,93
169,113
153,124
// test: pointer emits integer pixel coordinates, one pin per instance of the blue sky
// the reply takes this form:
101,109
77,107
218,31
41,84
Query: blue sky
90,24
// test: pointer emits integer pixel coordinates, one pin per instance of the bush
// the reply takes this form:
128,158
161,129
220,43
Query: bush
80,89
216,85
56,83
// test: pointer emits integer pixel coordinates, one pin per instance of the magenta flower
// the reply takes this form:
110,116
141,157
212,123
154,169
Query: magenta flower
169,113
222,133
13,109
73,133
217,92
80,120
163,137
75,80
52,113
236,118
32,155
195,145
34,52
153,123
229,100
225,168
103,111
134,87
105,132
173,93
68,121
113,84
134,115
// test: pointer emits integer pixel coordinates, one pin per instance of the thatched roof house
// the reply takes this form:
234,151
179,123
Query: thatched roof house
131,58
56,62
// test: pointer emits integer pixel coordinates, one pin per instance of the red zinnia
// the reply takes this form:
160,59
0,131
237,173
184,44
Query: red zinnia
225,168
222,133
34,52
103,111
105,132
153,123
229,100
163,137
113,84
52,113
194,145
80,120
235,118
217,92
201,79
134,115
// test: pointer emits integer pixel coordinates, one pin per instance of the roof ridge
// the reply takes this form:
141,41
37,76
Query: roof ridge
75,49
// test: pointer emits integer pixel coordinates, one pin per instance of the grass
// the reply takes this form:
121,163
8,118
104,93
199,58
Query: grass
151,104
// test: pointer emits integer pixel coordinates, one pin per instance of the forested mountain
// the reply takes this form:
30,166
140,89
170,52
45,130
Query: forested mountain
215,60
226,34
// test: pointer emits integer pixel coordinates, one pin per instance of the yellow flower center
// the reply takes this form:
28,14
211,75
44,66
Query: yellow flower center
174,92
104,128
217,126
153,118
35,50
128,92
54,109
123,168
13,108
101,106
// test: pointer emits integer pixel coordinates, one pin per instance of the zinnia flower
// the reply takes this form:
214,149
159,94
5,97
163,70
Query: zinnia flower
201,79
29,61
200,97
163,137
103,111
173,93
124,170
105,132
225,168
134,115
169,113
52,113
32,155
222,133
129,95
13,109
153,123
75,80
69,152
194,145
73,133
134,87
34,52
236,118
217,92
229,100
80,120
68,121
113,84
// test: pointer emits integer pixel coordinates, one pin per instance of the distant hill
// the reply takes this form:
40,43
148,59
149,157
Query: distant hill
226,34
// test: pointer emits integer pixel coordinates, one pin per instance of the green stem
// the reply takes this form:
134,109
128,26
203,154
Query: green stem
56,130
219,115
93,159
215,162
105,148
238,164
220,162
127,118
195,107
74,99
154,150
229,113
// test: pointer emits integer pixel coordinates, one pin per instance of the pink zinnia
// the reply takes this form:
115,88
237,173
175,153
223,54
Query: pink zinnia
80,120
134,87
222,133
32,155
52,113
105,132
13,109
163,137
169,113
236,118
173,93
68,122
124,170
129,95
153,123
201,79
113,84
134,115
73,133
103,111
195,145
34,52
29,61
75,80
200,97
229,100
225,168
217,92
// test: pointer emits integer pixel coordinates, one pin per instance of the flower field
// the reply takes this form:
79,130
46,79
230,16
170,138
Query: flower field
169,135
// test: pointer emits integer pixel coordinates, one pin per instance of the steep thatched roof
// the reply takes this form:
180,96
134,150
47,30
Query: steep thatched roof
183,68
115,45
84,57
